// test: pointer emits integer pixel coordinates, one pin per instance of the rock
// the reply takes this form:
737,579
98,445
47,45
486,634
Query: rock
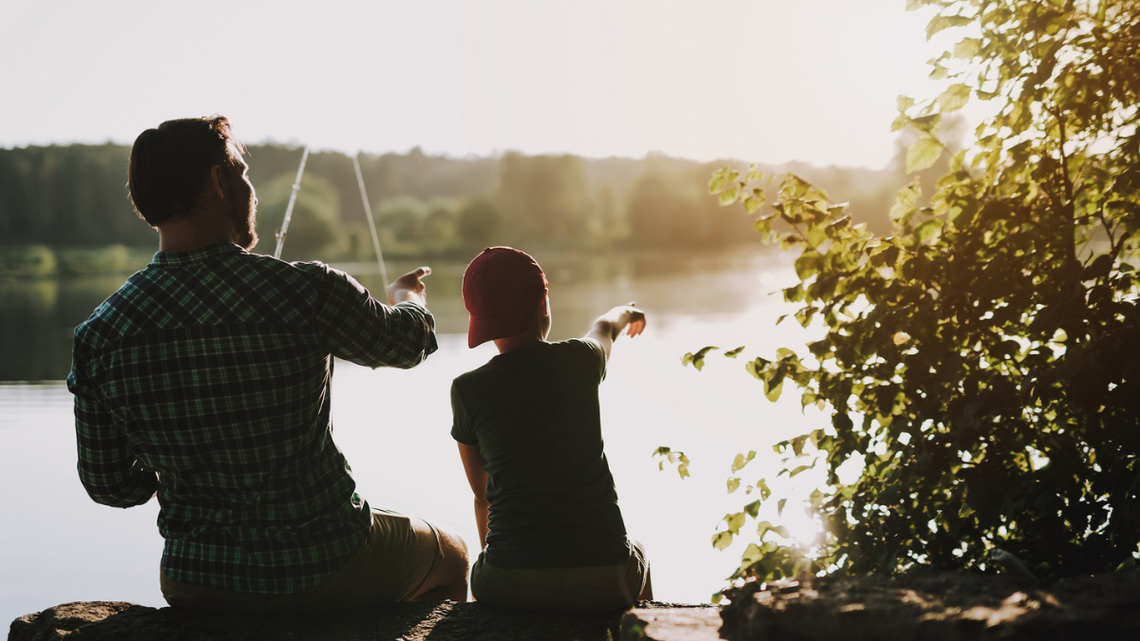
440,620
671,624
936,606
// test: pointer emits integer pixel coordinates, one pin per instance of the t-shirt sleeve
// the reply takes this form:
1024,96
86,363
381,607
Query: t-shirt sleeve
592,353
461,429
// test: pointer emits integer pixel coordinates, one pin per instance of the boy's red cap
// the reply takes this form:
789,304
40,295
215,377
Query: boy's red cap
501,289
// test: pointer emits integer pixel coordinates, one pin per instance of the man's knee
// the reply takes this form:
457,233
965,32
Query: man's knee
455,562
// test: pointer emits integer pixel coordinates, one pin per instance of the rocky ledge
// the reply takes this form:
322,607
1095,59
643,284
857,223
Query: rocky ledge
434,621
944,606
935,606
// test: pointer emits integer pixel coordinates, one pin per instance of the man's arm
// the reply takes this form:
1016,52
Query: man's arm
365,331
108,470
477,478
609,326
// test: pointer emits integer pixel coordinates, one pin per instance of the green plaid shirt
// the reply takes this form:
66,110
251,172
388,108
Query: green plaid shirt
206,378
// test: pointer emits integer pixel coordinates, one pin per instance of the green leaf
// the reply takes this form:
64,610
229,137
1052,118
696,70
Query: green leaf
733,484
718,182
927,124
941,23
807,265
765,491
733,353
751,555
904,103
741,460
780,506
735,522
728,196
722,540
752,509
923,153
799,469
929,231
967,48
773,392
697,359
955,97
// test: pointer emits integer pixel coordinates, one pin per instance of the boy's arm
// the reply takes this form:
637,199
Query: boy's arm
477,478
609,326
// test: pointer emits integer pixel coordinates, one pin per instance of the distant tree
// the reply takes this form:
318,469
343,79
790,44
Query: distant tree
315,230
403,216
543,196
479,220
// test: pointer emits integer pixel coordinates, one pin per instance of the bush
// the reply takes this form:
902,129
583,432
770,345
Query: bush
981,362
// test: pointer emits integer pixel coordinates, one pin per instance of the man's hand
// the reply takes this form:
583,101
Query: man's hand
409,287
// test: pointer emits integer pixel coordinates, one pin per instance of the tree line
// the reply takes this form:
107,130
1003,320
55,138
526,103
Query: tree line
74,196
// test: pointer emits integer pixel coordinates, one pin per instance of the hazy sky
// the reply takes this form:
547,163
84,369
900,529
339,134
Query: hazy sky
765,80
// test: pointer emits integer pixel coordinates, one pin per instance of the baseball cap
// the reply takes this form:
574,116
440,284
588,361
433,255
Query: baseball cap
501,289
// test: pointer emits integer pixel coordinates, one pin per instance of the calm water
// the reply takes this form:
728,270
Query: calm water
58,546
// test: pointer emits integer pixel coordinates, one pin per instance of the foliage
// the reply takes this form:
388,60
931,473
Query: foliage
980,363
74,195
479,220
315,224
543,196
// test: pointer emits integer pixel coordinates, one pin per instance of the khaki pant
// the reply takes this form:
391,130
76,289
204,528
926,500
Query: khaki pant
391,564
587,589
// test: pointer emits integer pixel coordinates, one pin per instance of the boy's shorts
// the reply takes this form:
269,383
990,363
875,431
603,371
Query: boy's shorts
598,588
391,564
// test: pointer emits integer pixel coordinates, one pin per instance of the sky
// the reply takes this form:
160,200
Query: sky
766,81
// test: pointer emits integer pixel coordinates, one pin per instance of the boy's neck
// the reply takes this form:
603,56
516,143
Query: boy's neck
511,343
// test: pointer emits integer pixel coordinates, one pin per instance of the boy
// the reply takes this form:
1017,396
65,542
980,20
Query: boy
529,435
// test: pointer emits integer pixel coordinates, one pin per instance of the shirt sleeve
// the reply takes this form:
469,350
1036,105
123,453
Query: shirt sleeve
461,429
358,328
108,469
595,355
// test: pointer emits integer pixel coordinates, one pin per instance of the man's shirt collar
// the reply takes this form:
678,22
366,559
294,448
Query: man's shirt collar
195,256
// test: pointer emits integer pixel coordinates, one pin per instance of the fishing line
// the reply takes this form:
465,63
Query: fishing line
371,222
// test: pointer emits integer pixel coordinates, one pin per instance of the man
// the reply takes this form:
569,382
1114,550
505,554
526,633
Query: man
529,432
206,379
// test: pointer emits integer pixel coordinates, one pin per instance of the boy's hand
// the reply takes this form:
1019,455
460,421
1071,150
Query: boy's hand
409,287
635,317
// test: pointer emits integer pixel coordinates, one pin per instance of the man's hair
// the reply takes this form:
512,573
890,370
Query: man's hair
170,164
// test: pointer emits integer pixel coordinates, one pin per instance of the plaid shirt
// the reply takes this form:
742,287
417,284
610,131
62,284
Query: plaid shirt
206,378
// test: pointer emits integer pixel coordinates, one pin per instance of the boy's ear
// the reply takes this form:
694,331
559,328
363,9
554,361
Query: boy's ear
545,304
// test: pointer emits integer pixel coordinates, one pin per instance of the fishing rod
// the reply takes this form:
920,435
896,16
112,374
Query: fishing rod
292,201
371,222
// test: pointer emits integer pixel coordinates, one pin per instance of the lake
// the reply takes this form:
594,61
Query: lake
58,546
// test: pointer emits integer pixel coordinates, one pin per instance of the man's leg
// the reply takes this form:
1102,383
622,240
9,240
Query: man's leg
448,579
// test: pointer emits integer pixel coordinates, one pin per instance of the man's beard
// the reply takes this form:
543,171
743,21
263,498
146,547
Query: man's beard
243,216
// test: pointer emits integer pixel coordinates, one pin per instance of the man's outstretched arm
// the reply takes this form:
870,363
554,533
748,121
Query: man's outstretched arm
362,329
609,326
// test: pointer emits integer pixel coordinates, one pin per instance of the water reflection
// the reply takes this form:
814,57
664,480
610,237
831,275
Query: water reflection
38,316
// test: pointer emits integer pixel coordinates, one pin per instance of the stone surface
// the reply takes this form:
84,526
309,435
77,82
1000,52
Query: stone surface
671,624
936,606
434,621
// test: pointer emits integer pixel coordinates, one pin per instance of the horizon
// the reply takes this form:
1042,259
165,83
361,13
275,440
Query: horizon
755,82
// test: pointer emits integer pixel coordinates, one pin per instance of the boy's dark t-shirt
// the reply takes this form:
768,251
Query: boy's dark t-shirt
533,413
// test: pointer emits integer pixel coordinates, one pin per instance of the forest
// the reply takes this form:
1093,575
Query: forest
58,204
